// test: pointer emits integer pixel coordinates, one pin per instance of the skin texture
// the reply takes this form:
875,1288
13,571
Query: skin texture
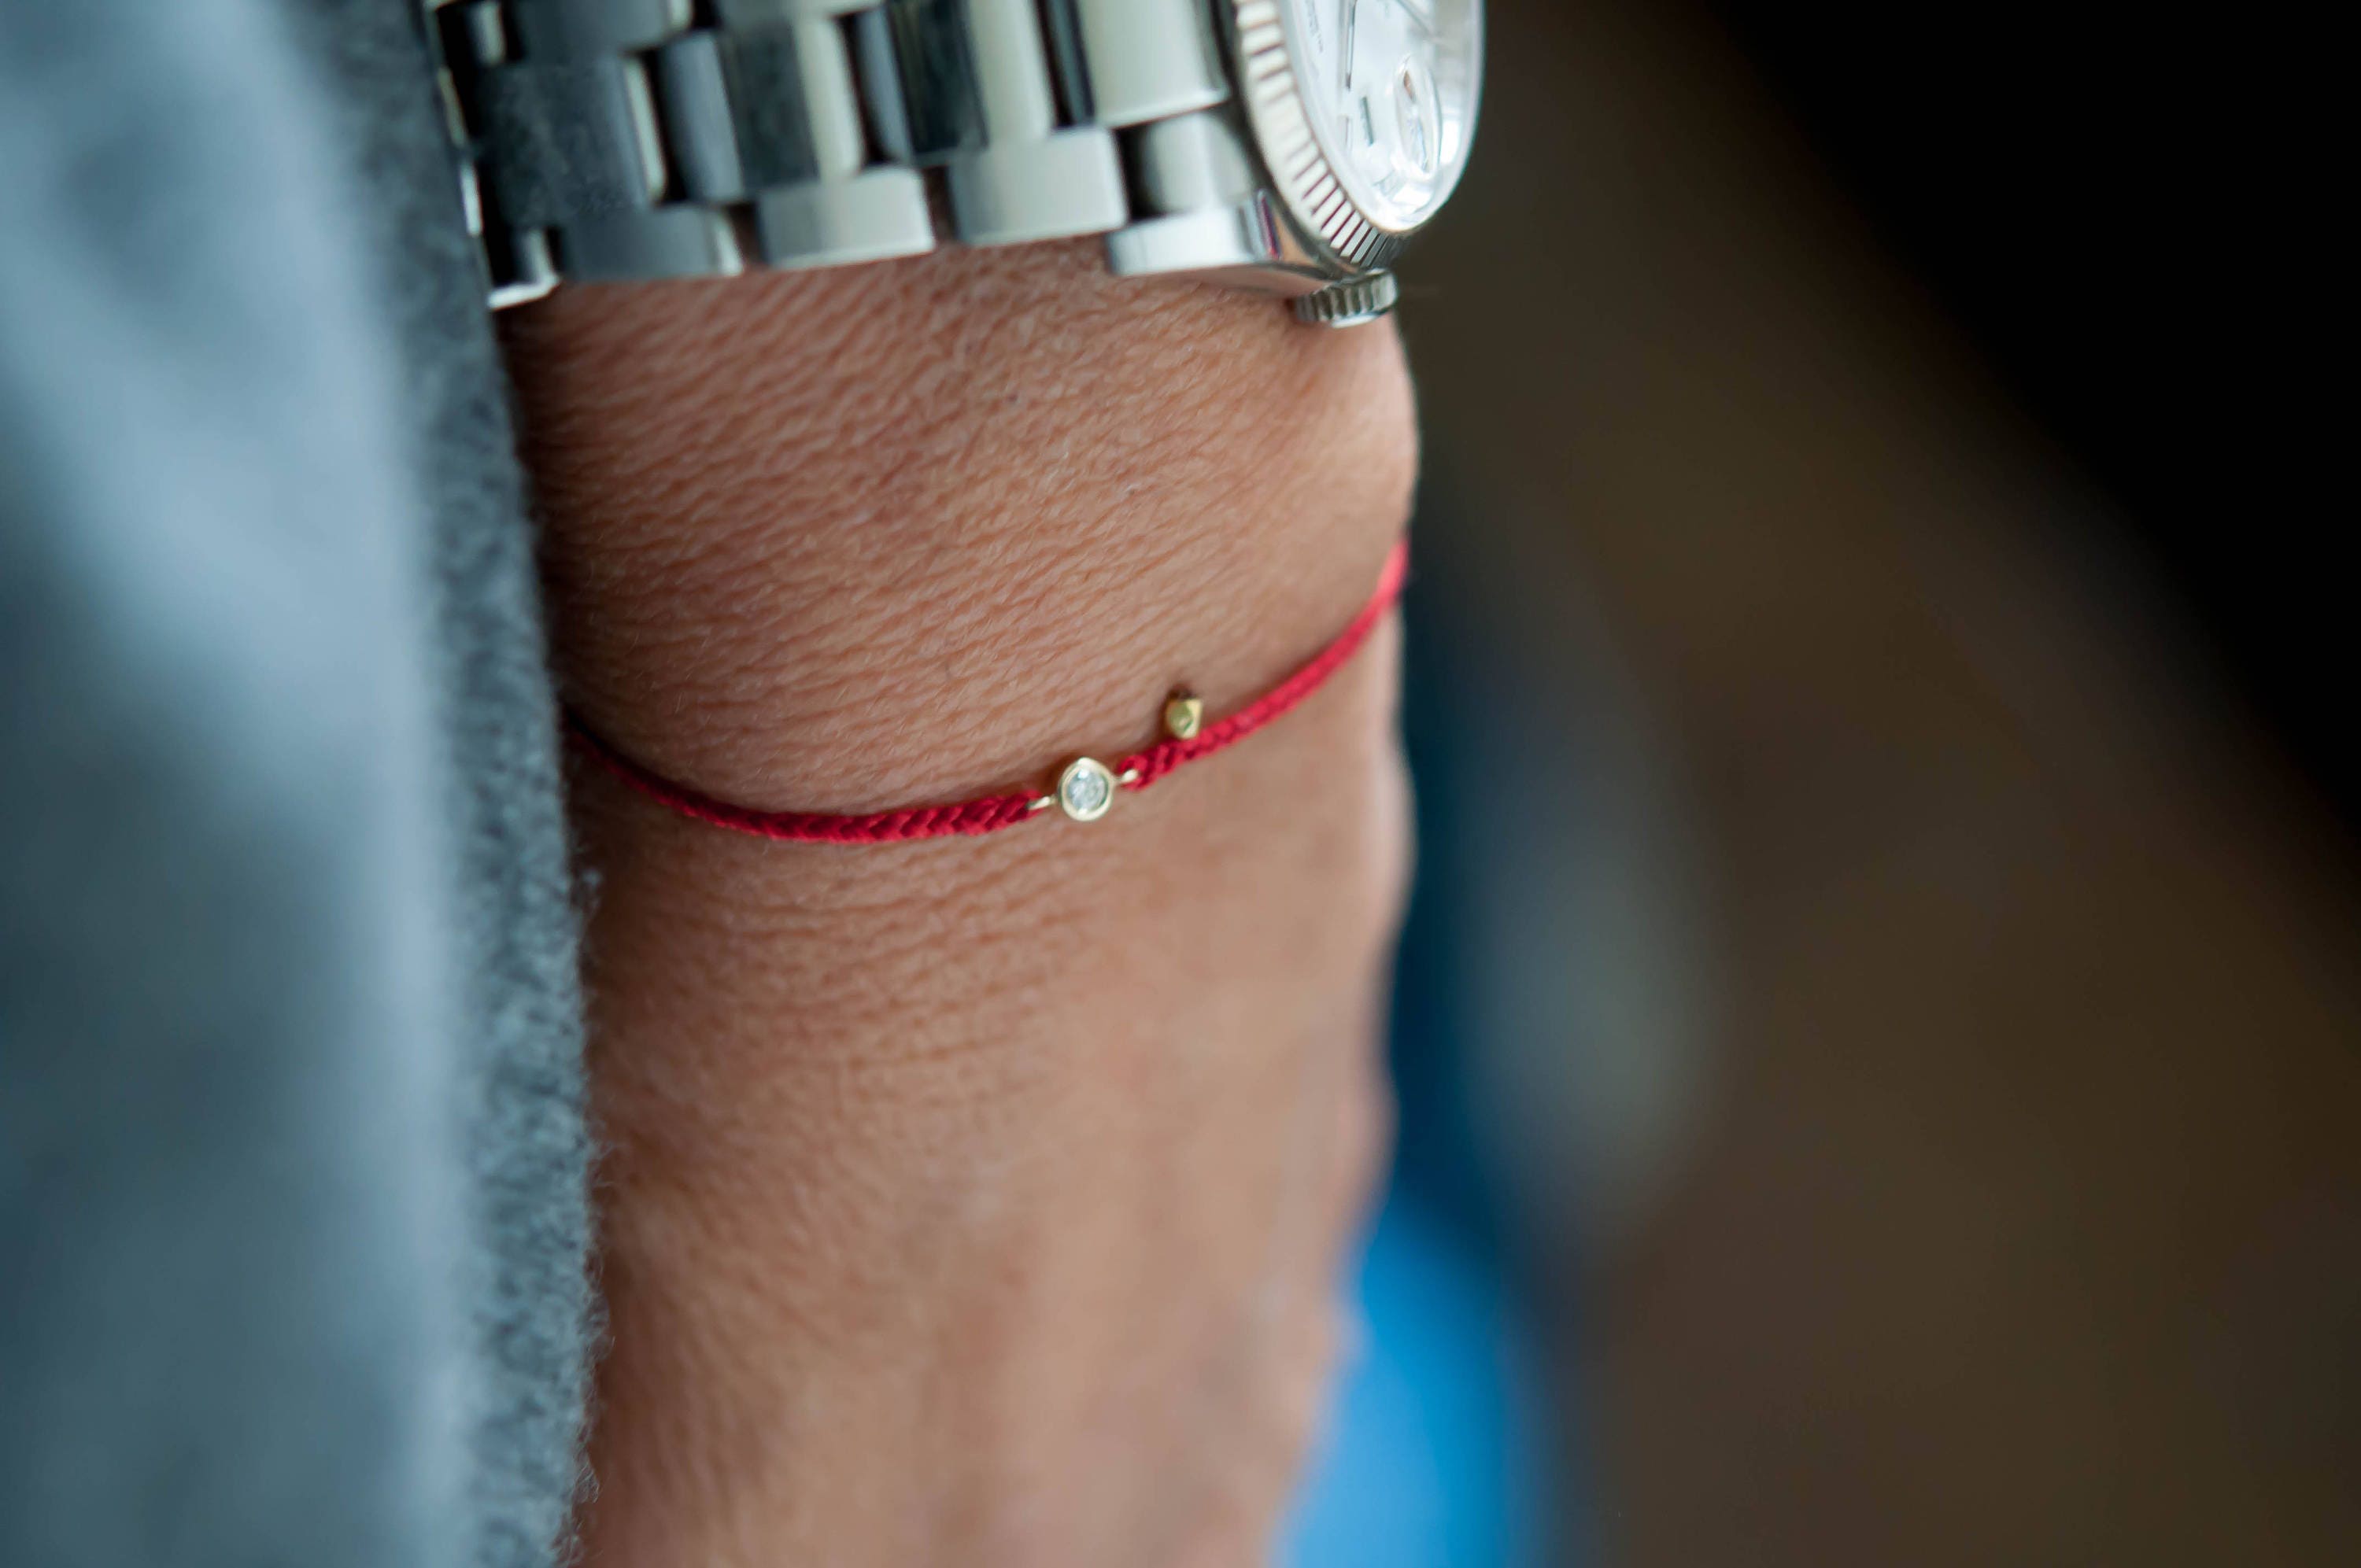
983,1201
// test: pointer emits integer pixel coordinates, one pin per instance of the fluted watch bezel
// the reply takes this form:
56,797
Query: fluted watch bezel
1321,206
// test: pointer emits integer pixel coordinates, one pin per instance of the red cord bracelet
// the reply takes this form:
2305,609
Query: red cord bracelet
1085,791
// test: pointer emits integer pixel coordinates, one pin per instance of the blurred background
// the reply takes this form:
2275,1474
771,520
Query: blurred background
1879,1031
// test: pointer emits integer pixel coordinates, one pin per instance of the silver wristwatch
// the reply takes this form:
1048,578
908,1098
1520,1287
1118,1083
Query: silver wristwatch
1290,145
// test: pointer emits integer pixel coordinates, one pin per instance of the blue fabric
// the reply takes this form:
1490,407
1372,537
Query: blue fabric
1437,1454
292,1213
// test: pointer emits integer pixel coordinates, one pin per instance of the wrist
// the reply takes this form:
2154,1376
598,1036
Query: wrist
844,541
951,1184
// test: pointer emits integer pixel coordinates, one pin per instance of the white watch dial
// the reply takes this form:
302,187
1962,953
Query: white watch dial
1390,88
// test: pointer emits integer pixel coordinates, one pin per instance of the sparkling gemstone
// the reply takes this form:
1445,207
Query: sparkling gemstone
1087,791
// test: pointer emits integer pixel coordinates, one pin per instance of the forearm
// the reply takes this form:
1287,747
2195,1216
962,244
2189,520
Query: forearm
975,1201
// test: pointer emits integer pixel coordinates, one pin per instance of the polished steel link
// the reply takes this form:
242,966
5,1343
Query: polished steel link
627,138
984,109
571,141
1131,61
736,116
1195,163
592,30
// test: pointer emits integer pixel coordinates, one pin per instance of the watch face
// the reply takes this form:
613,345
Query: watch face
1390,88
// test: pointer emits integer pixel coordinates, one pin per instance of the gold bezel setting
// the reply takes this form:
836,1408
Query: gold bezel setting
1086,789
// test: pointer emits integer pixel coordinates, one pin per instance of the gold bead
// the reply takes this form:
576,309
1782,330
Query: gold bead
1183,717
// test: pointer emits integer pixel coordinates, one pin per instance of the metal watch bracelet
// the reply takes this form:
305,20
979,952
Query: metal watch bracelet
613,139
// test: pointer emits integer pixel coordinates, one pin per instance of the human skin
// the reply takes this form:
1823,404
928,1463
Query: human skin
978,1201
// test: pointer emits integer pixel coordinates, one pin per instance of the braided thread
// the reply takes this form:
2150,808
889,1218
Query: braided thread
996,813
1162,758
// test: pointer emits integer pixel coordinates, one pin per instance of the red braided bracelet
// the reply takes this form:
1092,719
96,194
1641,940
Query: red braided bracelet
1085,791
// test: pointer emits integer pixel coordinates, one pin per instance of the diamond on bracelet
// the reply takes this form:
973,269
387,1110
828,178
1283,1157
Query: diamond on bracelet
1086,789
